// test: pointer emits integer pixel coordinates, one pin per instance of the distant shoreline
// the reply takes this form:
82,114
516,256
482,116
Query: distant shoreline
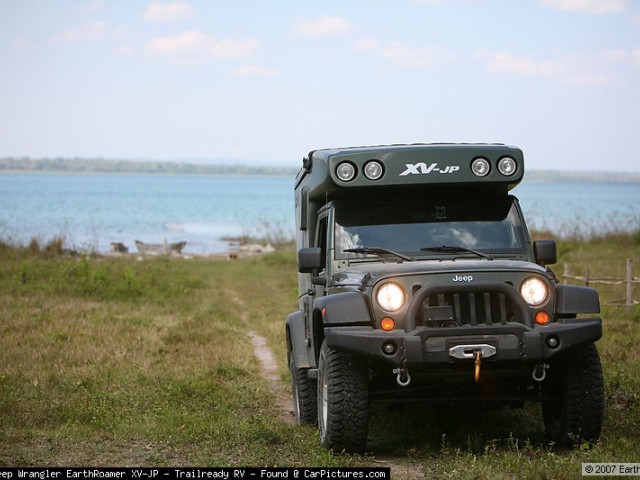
80,165
63,165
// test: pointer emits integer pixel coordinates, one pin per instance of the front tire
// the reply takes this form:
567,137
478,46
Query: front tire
574,409
343,401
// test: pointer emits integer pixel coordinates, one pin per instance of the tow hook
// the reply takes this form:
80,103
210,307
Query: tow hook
540,372
402,376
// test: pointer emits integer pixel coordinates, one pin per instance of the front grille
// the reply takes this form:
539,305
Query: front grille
472,308
477,303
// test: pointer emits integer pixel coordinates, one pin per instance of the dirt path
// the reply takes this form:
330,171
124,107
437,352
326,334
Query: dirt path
269,370
268,366
401,469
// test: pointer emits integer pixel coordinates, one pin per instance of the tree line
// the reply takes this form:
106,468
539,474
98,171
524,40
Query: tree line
82,165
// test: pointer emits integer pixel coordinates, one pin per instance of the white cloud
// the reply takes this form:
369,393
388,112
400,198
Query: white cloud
577,69
87,32
195,47
255,71
322,27
504,62
586,6
405,56
167,12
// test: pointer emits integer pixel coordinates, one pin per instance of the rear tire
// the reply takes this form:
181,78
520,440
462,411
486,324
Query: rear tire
575,413
343,401
304,390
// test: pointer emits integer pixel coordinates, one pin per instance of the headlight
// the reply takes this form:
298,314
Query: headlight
346,171
390,297
534,291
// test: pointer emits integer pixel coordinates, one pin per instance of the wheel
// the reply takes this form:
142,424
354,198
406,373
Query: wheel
343,401
304,389
575,390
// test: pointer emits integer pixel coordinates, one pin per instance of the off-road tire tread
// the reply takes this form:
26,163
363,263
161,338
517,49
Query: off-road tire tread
348,404
579,383
307,395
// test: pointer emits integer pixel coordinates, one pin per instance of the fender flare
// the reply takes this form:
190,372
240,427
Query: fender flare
573,299
296,340
348,308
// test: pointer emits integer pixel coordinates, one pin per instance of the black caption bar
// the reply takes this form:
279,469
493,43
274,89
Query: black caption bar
196,473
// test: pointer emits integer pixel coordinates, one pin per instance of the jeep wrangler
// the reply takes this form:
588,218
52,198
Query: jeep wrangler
418,281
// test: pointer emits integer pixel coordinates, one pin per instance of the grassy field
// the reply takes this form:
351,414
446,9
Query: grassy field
129,362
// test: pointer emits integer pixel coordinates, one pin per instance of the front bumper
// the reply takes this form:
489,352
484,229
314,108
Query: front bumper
513,342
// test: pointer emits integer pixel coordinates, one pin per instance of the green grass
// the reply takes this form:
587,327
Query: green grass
121,362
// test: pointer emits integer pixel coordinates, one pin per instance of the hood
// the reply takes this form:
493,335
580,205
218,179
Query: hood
356,273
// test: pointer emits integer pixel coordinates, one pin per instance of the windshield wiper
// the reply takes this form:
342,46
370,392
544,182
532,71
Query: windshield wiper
455,249
378,251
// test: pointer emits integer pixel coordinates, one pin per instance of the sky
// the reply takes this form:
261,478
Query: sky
264,82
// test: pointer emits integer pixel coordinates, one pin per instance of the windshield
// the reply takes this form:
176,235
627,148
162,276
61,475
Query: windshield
407,226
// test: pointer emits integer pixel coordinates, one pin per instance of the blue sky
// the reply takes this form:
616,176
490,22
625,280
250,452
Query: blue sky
263,82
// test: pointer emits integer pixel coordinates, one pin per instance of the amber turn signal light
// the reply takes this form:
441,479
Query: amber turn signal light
542,318
387,324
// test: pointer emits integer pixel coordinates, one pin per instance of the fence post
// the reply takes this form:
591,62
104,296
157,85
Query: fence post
629,284
565,276
586,277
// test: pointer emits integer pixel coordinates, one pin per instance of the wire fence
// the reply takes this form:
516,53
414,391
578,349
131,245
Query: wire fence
629,281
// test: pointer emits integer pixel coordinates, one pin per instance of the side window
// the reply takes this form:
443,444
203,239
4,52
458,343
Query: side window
321,237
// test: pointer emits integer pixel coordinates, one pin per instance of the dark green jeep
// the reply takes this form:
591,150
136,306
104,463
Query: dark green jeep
419,282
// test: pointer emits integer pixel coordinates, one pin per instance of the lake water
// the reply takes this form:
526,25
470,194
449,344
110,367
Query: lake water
93,210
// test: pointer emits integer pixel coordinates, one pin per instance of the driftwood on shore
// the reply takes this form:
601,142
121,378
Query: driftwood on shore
235,250
119,247
160,248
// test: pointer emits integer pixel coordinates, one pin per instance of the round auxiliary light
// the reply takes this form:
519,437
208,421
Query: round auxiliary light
534,291
390,297
373,170
507,166
346,171
480,167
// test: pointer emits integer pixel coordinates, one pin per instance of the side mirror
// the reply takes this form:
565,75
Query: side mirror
310,259
544,252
